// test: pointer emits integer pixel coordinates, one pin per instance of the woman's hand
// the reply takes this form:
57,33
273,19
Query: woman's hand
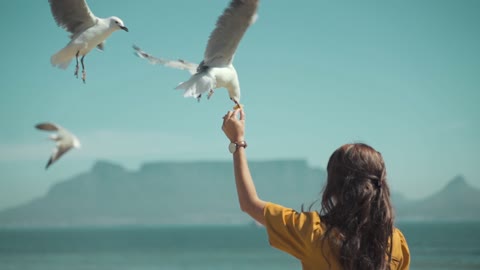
233,127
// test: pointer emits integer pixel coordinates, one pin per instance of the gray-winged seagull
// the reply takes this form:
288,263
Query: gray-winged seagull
216,70
64,139
88,31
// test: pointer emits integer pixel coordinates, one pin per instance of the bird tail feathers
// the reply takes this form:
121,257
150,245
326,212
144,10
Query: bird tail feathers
62,58
198,84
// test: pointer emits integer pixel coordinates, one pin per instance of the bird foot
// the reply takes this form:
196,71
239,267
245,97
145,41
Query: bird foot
84,76
76,72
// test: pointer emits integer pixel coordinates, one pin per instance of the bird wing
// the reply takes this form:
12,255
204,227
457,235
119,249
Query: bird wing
57,153
230,28
48,126
72,15
63,136
178,64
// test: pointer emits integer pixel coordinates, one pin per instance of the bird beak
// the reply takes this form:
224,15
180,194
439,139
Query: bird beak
124,28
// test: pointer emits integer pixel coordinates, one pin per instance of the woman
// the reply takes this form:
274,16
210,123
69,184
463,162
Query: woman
354,228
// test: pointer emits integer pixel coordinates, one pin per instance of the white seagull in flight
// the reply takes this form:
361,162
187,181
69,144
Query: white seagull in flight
216,70
64,139
87,31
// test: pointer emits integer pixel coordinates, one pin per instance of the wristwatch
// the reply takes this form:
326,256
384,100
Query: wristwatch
232,147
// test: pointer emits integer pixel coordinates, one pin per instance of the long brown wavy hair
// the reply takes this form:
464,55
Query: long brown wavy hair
356,208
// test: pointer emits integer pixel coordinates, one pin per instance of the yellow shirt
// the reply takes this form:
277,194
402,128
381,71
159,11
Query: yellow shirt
297,234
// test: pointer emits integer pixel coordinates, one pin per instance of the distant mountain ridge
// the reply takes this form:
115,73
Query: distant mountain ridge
163,193
456,201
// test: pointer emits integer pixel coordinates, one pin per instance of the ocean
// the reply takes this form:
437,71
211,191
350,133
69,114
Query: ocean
432,246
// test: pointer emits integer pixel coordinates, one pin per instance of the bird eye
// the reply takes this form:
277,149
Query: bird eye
116,22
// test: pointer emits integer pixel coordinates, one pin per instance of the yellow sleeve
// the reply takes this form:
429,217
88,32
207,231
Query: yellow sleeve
405,263
290,231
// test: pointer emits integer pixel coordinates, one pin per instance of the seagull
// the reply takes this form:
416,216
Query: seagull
216,70
87,31
64,139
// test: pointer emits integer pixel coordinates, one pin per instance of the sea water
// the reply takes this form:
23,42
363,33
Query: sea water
432,246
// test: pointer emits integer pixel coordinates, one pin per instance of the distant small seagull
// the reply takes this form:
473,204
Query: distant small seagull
216,70
88,31
64,139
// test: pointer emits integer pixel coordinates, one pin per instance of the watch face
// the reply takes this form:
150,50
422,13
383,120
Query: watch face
232,148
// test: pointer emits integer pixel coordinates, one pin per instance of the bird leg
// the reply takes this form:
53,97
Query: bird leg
199,97
76,66
84,74
210,93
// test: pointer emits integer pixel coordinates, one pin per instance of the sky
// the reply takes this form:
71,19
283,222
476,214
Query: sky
402,76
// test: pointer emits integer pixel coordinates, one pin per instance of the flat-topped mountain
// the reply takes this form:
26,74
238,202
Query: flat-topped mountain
163,193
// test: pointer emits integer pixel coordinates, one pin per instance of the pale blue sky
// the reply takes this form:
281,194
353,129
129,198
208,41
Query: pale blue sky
403,76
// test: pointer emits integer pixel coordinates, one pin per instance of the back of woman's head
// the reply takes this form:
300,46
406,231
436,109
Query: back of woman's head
356,207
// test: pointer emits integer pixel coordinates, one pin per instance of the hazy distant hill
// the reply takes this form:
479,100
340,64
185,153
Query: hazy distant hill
164,193
203,193
456,201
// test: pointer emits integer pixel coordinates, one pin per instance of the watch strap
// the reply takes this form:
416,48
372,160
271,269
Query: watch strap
241,144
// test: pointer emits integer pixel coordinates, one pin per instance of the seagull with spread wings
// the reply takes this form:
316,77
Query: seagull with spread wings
216,70
87,31
64,139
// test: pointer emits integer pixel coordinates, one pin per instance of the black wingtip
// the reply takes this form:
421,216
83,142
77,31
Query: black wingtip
39,126
48,164
139,53
48,126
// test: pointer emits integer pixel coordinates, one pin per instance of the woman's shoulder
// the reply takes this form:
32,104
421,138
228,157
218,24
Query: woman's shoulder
302,219
398,235
278,209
